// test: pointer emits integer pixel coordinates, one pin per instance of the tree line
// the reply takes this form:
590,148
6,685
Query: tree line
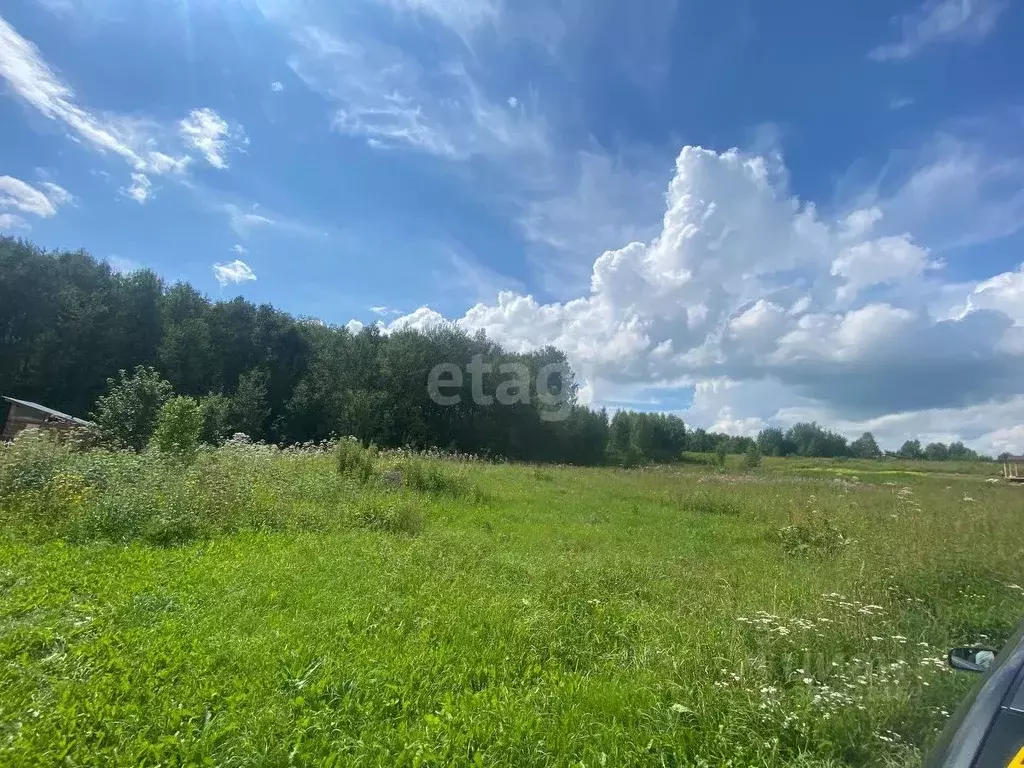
811,440
75,335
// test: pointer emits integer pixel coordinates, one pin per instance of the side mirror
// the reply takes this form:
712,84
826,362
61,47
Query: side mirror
972,659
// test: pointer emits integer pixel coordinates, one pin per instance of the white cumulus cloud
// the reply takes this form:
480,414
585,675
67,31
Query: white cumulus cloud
746,284
875,262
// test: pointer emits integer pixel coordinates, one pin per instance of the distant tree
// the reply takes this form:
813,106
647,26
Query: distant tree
752,457
911,450
809,439
179,427
699,441
720,453
739,444
641,438
772,442
959,452
865,447
127,415
936,452
620,434
217,419
1005,456
249,407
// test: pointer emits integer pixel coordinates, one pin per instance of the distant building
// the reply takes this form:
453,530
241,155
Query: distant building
1013,468
22,415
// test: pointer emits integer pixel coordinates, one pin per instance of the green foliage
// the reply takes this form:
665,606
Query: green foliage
752,458
356,462
710,503
817,535
772,442
249,407
50,490
809,439
218,423
958,452
260,608
393,514
179,428
127,415
911,450
865,447
721,452
433,476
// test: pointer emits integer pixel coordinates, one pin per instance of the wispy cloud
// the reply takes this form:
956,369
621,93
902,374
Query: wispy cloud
140,189
233,272
243,222
276,86
31,79
592,202
381,95
463,17
211,135
475,281
239,249
566,202
17,195
12,221
960,189
148,147
941,21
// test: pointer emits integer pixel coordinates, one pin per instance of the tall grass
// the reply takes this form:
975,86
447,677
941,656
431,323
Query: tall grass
51,490
370,610
420,472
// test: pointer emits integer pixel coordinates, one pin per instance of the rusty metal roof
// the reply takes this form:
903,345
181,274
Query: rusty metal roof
50,412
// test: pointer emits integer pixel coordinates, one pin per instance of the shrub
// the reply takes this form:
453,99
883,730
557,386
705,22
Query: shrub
178,428
720,454
50,491
355,461
127,415
752,458
819,534
428,476
433,476
217,421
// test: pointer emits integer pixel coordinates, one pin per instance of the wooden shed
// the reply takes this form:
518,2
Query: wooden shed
22,414
1013,468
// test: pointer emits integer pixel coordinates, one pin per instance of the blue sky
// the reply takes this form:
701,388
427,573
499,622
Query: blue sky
400,161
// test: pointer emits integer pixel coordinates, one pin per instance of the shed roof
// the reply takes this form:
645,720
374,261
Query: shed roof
1014,459
50,412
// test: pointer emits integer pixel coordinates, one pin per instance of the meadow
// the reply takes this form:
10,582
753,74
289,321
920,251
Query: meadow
328,605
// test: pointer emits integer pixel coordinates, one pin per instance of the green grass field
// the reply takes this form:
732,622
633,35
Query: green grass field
261,608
